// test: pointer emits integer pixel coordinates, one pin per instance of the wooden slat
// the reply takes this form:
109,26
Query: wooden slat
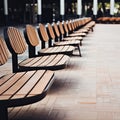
42,62
27,61
44,50
5,97
33,61
5,78
82,30
17,40
43,32
72,25
43,82
51,50
11,82
61,28
66,48
31,82
63,60
56,60
56,30
19,83
49,60
55,50
51,32
73,38
72,42
32,35
69,26
60,49
78,34
65,27
4,54
71,48
24,83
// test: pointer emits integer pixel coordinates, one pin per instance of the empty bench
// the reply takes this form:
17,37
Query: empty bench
21,88
17,46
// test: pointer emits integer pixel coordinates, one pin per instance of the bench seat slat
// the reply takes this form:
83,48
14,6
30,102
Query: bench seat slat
25,90
30,84
21,82
47,50
31,61
16,40
11,82
78,34
64,58
57,49
59,60
63,48
54,60
54,49
4,53
60,49
48,61
41,85
72,42
26,61
5,78
68,48
73,38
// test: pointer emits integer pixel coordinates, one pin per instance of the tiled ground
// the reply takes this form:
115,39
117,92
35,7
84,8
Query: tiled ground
89,87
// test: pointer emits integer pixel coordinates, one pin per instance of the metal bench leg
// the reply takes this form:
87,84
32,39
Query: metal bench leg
3,113
81,43
79,51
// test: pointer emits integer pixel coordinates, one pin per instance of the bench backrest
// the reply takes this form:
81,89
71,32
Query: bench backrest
16,40
65,27
72,25
32,39
69,26
61,28
16,45
43,33
4,54
56,30
32,35
50,31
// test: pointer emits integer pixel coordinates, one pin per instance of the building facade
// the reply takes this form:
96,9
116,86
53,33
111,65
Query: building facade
35,11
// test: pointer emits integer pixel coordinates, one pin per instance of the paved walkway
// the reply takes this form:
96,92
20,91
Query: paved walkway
88,89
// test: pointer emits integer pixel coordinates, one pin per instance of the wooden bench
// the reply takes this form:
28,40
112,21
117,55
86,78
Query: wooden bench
84,25
72,30
62,32
17,46
70,33
68,50
80,27
63,41
33,41
21,88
